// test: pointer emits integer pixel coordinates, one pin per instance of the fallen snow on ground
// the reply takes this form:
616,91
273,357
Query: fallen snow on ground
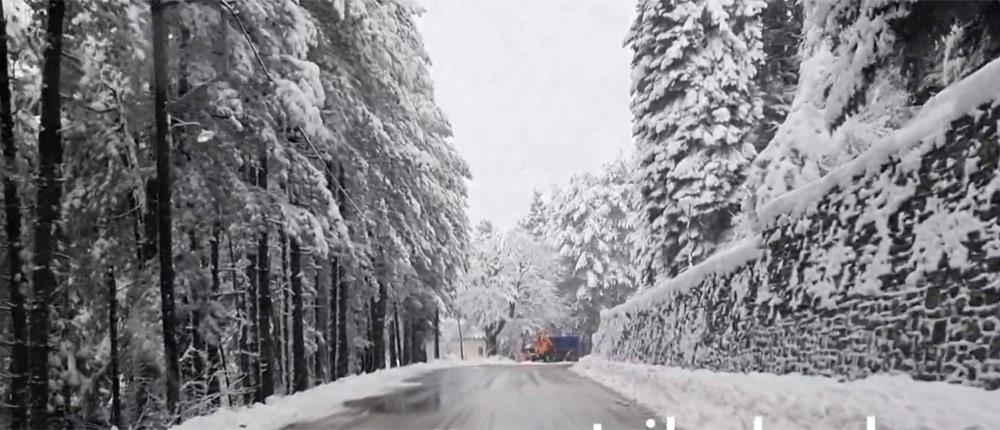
700,399
319,402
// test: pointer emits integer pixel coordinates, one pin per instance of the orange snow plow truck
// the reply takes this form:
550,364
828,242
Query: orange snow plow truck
552,348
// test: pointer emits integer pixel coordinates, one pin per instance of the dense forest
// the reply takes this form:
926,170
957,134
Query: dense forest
208,203
211,202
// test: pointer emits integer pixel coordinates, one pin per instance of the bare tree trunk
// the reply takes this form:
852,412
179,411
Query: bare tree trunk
393,340
163,208
300,368
334,317
461,340
370,326
251,337
378,327
399,334
214,359
419,347
407,340
264,294
283,331
116,405
49,196
18,398
437,334
322,312
245,320
343,352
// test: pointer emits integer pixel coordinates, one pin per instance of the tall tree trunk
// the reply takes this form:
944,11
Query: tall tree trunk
322,311
252,338
407,339
244,318
417,352
214,359
49,196
378,326
334,317
264,294
393,340
343,352
300,367
437,334
399,333
283,330
195,301
18,398
163,208
149,241
370,326
461,339
116,405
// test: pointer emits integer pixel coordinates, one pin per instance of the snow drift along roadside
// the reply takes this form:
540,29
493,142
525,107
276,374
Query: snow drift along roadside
700,399
318,402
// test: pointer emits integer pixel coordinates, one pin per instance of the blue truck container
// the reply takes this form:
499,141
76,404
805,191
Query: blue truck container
565,348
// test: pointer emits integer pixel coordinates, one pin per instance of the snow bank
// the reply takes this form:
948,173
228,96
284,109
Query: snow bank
981,87
724,261
699,399
319,402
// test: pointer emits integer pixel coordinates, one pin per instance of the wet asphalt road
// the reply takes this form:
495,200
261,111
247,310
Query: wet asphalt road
521,397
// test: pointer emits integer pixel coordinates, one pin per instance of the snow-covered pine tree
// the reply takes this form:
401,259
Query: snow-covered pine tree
693,102
866,67
778,75
587,222
316,85
534,222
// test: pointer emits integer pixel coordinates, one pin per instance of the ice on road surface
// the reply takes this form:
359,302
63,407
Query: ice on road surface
516,396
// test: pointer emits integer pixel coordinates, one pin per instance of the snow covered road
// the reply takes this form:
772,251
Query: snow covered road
515,396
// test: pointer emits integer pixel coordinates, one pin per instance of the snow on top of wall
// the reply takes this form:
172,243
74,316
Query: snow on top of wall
950,104
724,261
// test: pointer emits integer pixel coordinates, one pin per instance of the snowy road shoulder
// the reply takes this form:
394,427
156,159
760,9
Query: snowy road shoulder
318,402
700,399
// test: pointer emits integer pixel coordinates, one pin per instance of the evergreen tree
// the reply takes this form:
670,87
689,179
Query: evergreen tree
778,75
864,68
312,121
47,215
16,285
587,222
535,221
694,100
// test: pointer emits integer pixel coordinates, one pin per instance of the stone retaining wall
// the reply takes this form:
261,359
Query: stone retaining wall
897,271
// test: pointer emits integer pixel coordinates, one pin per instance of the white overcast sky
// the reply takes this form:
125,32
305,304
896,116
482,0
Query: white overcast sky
536,91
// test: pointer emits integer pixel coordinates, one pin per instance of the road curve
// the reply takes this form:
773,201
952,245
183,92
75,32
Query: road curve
522,397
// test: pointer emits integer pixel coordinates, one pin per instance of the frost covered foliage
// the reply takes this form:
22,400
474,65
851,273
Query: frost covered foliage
587,222
313,187
889,263
778,75
866,66
510,288
694,101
